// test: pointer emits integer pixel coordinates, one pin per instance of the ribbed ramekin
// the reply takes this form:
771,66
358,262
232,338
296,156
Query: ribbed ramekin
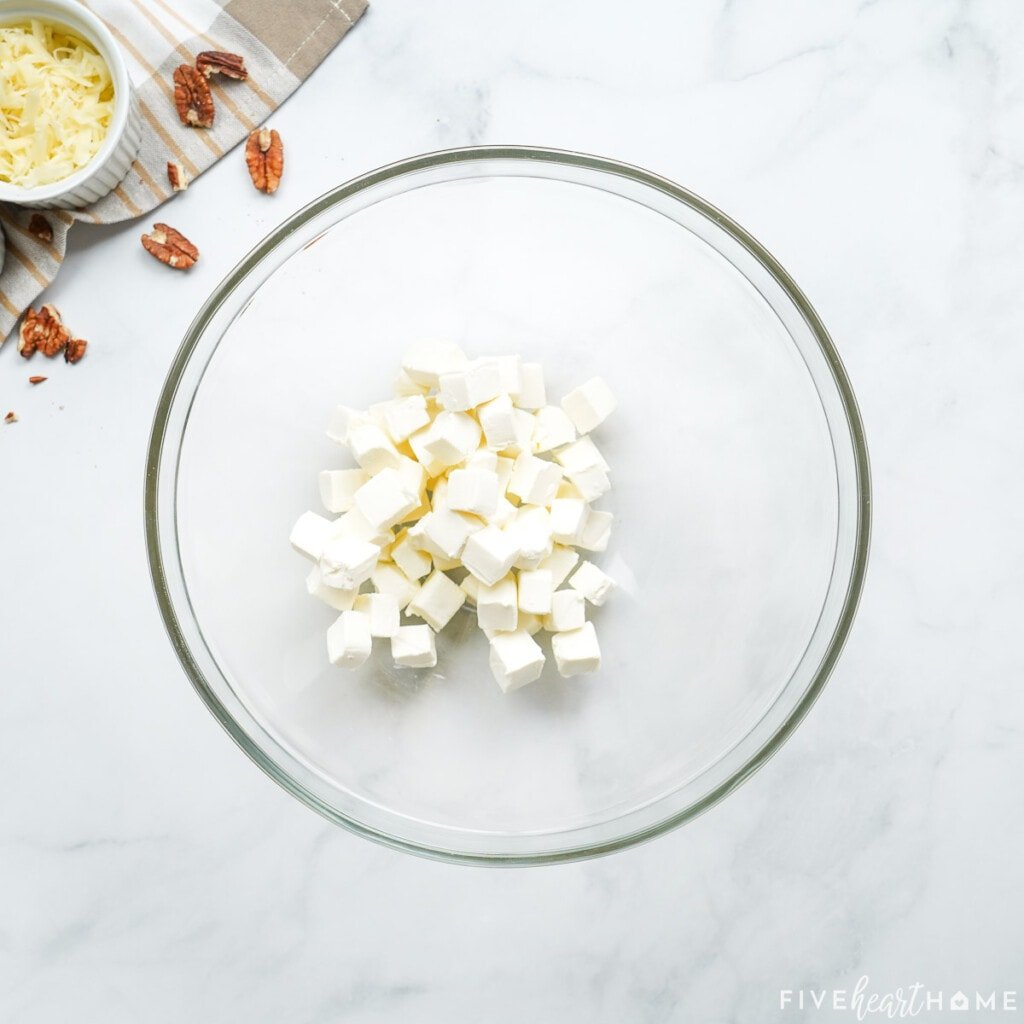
120,147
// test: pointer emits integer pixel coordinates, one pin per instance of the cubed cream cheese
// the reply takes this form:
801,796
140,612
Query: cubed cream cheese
581,454
591,483
552,429
372,448
451,438
310,533
382,611
576,651
338,487
341,600
531,394
534,481
597,531
425,363
496,606
404,416
473,490
535,589
516,659
530,529
568,611
568,518
346,562
384,499
387,578
489,554
499,423
592,583
561,562
469,387
589,405
348,639
445,533
437,601
411,560
414,647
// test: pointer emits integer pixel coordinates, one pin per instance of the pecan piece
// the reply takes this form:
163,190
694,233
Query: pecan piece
11,417
42,329
36,379
264,156
39,227
170,247
217,62
75,349
177,176
193,98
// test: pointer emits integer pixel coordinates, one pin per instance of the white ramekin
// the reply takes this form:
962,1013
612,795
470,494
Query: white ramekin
120,147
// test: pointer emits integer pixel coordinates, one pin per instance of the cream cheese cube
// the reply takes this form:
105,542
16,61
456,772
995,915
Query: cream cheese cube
482,459
418,444
384,500
567,489
499,423
469,387
341,600
473,490
576,651
509,375
561,562
444,533
531,532
346,562
581,454
597,531
437,601
589,405
496,606
516,659
534,481
568,611
425,363
591,483
531,394
382,611
552,429
451,438
348,639
504,513
338,487
593,584
535,590
533,624
568,518
489,554
504,466
354,524
372,448
524,423
387,578
411,560
446,564
342,422
414,647
471,588
310,533
404,416
404,386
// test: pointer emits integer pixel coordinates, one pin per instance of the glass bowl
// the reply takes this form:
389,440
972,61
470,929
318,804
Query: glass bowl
741,495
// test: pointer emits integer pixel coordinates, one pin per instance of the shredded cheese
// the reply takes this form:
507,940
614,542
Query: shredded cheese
56,103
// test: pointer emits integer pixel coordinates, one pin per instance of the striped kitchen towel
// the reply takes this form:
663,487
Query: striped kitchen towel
282,42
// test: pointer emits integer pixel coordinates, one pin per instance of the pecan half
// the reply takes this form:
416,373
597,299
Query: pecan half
177,176
36,379
11,417
42,329
264,156
217,62
193,98
40,227
170,247
75,349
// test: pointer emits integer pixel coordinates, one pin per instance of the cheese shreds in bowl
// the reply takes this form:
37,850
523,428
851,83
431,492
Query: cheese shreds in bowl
56,103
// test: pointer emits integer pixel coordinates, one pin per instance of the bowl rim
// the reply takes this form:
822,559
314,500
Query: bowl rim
81,20
434,159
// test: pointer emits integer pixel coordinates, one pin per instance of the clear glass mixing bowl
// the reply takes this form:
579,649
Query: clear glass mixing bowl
741,492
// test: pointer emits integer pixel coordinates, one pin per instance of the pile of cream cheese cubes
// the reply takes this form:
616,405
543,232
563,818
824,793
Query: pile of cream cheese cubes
469,489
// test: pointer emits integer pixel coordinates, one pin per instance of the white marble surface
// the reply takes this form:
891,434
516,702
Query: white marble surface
149,872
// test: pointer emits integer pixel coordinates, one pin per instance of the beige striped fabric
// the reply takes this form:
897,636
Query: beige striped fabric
282,42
